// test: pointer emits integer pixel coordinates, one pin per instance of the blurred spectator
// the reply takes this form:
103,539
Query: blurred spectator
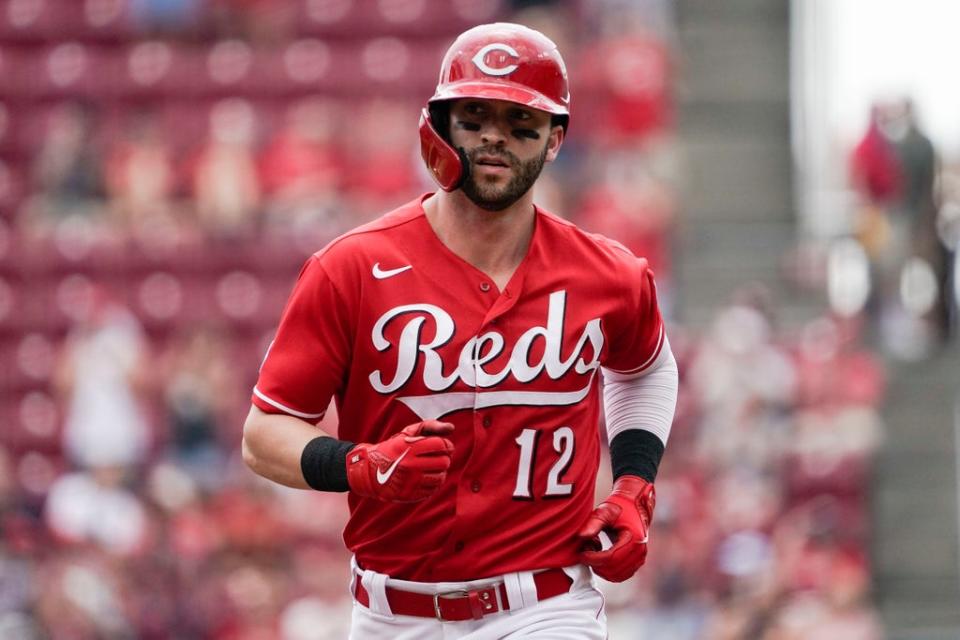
875,171
8,486
745,383
556,20
164,17
101,376
261,21
200,395
94,507
630,204
382,152
140,175
16,571
875,175
313,618
837,428
948,230
894,169
626,79
68,165
918,204
81,596
302,170
226,187
917,160
834,370
618,16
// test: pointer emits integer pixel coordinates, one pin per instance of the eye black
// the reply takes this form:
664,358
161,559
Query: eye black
526,133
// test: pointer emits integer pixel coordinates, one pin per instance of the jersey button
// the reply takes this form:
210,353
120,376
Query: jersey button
487,421
475,487
459,546
484,286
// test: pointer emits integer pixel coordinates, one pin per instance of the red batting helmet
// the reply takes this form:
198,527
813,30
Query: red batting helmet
500,61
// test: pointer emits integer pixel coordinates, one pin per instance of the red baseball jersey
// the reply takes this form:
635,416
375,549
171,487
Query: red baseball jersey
398,329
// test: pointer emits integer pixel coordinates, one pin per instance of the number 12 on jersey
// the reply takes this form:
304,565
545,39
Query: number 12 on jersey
563,444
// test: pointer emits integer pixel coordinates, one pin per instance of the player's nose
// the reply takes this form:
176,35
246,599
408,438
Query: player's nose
494,132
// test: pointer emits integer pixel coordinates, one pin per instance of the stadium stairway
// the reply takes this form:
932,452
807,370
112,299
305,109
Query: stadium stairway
737,222
915,501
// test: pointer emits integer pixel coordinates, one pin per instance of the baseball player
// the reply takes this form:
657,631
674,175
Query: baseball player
463,337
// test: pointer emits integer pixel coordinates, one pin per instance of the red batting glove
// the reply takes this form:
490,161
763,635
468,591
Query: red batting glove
406,467
625,515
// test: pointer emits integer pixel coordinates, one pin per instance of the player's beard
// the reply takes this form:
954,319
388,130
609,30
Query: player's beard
494,198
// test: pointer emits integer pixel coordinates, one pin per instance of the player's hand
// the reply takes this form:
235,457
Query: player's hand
406,467
625,516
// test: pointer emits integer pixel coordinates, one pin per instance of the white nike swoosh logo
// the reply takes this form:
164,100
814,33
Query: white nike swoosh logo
381,274
382,477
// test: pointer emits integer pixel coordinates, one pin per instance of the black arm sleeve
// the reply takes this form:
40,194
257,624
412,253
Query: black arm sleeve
324,464
636,452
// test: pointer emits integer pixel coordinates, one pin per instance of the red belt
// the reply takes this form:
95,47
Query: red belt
465,605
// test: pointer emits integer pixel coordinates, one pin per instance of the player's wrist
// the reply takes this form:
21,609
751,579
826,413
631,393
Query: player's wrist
636,452
323,464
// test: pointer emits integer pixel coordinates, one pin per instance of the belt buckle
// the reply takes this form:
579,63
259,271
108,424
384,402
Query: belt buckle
462,593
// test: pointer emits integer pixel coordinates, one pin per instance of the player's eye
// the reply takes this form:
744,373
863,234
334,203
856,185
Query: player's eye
473,109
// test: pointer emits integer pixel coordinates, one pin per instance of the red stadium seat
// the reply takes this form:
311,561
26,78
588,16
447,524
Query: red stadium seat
147,68
12,186
36,355
239,295
25,20
8,302
8,372
36,471
329,16
186,73
66,69
13,62
229,65
33,21
37,421
307,63
159,298
364,18
6,134
105,19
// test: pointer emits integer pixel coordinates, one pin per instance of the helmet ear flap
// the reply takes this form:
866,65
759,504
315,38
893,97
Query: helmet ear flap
447,164
440,118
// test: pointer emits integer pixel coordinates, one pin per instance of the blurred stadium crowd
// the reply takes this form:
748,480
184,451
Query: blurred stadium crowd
165,168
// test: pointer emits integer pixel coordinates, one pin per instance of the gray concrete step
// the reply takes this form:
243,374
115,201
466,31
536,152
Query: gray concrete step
733,11
721,258
734,138
917,549
706,120
754,61
737,180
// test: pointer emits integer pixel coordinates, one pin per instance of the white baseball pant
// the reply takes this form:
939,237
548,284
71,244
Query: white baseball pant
575,615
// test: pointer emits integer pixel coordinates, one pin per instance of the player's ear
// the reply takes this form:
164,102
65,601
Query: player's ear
554,141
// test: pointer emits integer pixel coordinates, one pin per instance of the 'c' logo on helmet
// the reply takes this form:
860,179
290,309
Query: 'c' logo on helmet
480,59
